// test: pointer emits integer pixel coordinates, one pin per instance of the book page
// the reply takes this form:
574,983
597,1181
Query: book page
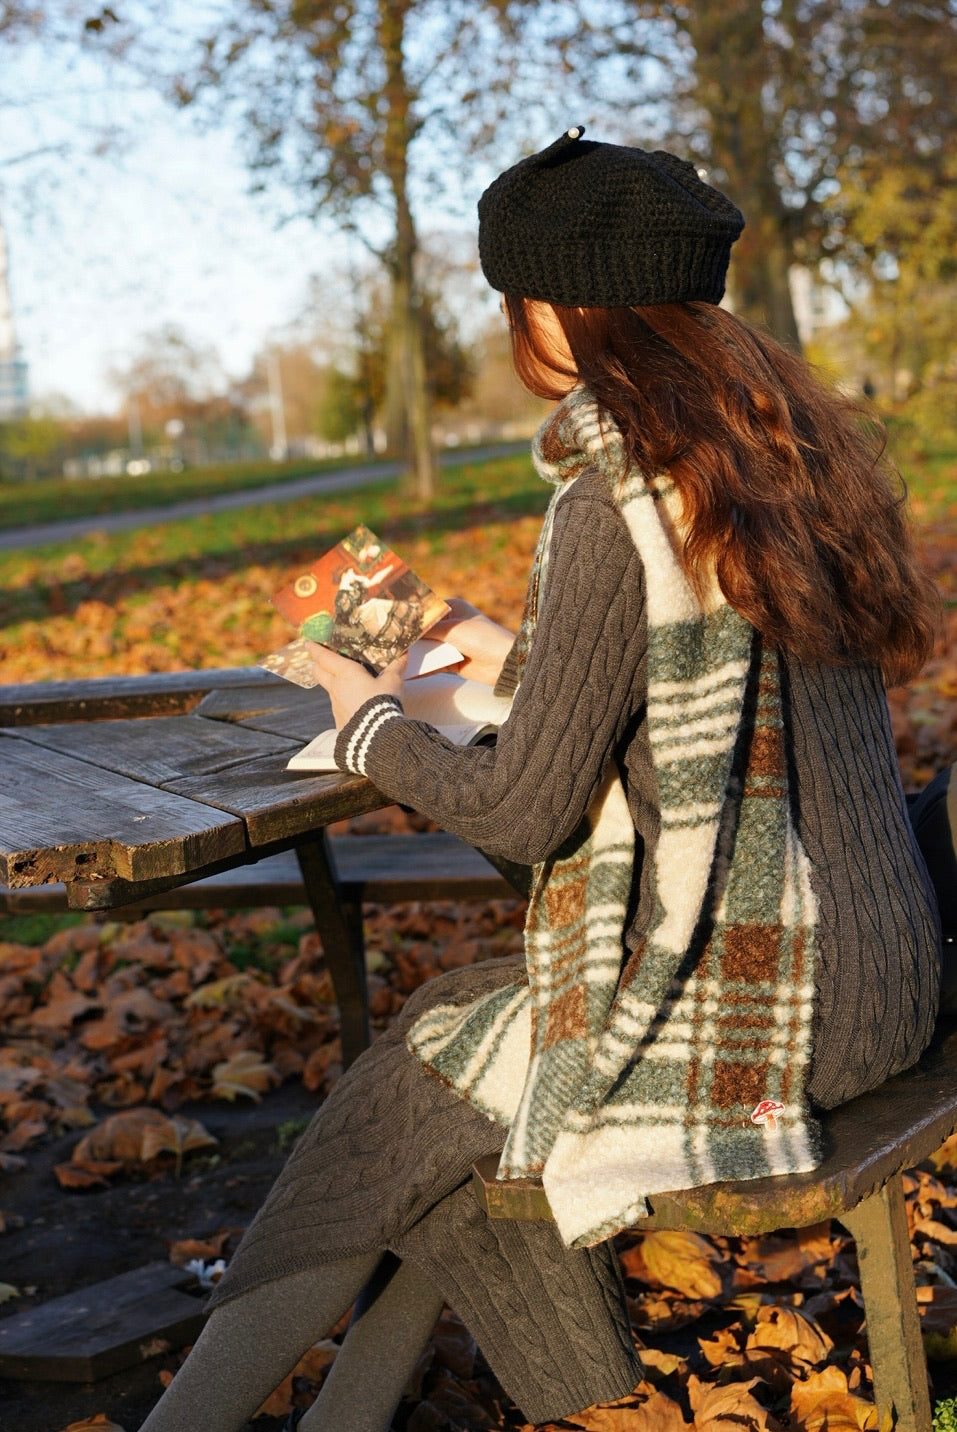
461,710
445,699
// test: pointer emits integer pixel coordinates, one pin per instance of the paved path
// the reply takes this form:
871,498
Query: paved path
75,528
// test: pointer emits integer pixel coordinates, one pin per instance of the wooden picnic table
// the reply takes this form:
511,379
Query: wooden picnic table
126,787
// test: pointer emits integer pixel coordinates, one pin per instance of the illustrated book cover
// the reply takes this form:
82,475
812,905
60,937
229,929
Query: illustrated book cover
364,601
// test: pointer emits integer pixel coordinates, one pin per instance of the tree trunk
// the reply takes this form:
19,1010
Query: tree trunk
731,71
407,387
759,287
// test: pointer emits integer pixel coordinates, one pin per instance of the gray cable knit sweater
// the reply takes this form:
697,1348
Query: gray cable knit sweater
582,702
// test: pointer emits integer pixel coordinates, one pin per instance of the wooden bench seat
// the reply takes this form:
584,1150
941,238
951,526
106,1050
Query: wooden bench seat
871,1140
384,869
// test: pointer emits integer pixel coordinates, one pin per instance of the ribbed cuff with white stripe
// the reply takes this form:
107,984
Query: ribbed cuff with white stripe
356,737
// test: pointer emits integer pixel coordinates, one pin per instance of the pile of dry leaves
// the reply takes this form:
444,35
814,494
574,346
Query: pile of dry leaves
144,1017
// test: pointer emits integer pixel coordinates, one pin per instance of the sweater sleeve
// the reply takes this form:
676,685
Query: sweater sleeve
521,798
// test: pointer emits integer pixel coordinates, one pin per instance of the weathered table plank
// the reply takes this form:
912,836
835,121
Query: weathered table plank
161,750
112,697
65,819
277,804
286,711
381,868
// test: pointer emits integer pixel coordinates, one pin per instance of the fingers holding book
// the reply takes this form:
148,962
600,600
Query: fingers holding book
349,684
484,644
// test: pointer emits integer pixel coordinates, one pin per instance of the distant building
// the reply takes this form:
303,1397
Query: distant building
13,366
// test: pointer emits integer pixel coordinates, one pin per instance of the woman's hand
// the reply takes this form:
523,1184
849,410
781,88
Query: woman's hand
483,643
349,685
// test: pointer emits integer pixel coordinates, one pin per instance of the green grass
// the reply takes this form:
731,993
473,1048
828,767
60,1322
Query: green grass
36,929
490,491
945,1415
932,484
928,464
22,504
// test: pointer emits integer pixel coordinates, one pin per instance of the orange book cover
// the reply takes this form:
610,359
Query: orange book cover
360,599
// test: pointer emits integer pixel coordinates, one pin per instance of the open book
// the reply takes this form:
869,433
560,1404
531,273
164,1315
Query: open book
461,710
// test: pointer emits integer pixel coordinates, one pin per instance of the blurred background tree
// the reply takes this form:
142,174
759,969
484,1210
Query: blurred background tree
901,221
175,394
828,121
352,105
793,105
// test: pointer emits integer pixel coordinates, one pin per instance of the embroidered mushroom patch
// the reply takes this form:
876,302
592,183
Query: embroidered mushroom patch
767,1113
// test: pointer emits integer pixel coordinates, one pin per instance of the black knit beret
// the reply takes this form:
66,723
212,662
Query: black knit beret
606,225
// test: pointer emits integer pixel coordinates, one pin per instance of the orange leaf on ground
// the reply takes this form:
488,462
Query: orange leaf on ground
822,1403
662,1363
661,1313
785,1330
946,1156
728,1407
322,1065
657,1413
939,1232
61,1012
18,1138
635,1413
779,1258
183,1249
120,1136
723,1345
683,1261
86,1173
179,1136
99,1423
246,1073
138,1135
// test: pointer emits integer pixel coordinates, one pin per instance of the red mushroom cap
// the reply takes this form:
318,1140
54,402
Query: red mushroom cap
766,1106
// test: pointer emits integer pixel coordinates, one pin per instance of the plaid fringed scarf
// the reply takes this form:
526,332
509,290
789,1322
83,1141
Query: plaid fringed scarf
684,1062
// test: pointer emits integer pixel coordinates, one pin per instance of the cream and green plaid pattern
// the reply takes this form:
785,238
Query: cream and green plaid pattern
621,1076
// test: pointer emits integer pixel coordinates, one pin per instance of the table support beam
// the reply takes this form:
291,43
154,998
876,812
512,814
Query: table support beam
339,924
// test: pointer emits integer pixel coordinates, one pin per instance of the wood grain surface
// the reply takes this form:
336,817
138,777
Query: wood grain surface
286,710
161,750
110,697
66,819
277,804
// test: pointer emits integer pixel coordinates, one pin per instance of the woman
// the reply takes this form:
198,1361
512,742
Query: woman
729,924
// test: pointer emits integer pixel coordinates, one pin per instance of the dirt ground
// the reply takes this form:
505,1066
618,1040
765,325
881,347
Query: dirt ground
69,1241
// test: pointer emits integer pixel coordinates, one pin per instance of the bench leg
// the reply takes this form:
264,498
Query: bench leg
339,923
879,1228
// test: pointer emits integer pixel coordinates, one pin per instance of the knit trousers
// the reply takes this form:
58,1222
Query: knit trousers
551,1322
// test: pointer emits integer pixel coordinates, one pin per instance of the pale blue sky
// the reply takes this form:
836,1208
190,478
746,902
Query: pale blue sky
103,249
160,228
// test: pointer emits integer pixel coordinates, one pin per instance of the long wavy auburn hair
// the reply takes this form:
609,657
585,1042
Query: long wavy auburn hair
786,493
